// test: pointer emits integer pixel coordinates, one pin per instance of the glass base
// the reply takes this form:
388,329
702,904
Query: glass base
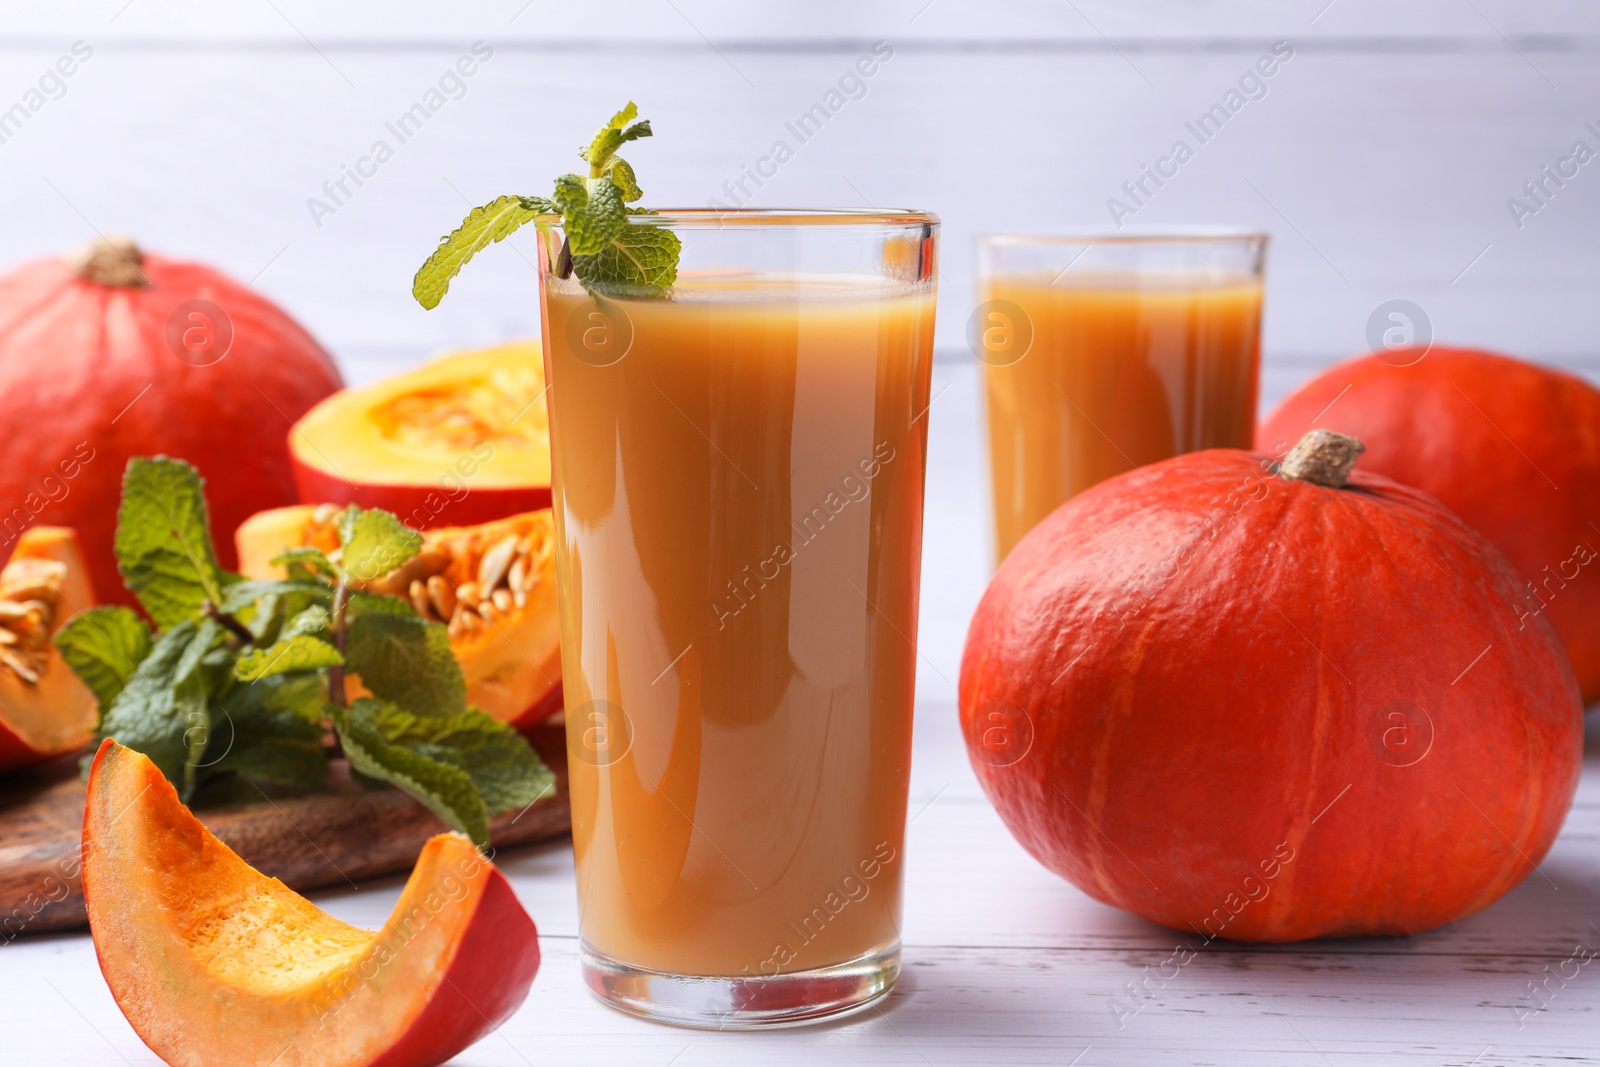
742,1002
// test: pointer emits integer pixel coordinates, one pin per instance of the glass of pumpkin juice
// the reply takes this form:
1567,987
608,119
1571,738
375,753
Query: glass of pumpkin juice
1102,354
738,489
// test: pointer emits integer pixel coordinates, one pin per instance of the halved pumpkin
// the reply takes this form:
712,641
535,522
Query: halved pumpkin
45,710
494,584
213,962
463,439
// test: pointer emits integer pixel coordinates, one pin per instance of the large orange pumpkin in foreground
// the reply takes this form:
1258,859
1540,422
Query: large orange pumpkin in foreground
118,353
1270,706
1511,447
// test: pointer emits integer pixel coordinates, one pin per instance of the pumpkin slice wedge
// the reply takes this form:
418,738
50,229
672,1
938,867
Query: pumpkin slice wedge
213,962
461,439
44,709
494,584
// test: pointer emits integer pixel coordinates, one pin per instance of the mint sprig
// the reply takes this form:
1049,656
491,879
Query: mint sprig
163,541
103,646
246,678
609,255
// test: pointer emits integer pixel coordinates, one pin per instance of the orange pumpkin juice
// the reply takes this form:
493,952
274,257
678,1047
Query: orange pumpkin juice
1122,370
738,493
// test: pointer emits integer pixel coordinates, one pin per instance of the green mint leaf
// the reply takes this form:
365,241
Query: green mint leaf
404,659
506,770
314,620
641,262
608,256
380,604
306,564
444,789
620,174
162,710
263,732
104,646
264,606
299,653
263,619
241,595
306,695
375,542
163,541
611,137
592,212
494,221
195,678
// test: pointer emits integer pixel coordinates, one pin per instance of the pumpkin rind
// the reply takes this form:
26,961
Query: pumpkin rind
1206,659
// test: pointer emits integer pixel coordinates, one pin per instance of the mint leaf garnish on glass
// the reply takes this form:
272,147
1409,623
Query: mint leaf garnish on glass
246,678
608,254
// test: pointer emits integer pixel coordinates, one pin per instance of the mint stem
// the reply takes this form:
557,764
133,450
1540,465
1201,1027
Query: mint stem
341,601
564,260
229,623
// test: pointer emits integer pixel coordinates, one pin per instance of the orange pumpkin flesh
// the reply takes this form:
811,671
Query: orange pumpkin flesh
458,441
510,652
1259,708
44,709
121,353
1511,447
213,962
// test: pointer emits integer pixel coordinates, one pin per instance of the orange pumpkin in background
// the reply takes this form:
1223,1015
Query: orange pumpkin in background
1511,447
1270,706
117,353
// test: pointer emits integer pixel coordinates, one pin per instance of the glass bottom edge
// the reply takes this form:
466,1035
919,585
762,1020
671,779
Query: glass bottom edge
742,1002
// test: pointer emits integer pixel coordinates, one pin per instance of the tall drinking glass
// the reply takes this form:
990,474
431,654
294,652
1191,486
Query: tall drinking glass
1102,354
738,483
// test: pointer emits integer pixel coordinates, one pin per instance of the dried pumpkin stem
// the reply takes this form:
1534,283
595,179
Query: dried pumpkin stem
112,261
1323,458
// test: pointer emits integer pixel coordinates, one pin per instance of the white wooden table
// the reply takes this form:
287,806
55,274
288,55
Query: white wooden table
1005,963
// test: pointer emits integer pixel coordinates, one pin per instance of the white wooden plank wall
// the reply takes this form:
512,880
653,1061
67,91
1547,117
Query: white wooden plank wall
1381,156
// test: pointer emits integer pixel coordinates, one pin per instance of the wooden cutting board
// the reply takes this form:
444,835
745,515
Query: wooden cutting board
342,835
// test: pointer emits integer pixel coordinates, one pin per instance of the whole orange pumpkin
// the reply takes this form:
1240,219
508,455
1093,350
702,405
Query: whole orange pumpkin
1511,447
116,353
1270,705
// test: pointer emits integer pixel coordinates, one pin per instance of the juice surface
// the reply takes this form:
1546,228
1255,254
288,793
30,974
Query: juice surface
1123,370
739,521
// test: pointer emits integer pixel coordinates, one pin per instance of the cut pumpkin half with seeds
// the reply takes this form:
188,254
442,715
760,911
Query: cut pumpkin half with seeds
493,585
45,710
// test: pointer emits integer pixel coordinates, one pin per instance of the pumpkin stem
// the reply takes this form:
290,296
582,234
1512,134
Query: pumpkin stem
1323,458
110,261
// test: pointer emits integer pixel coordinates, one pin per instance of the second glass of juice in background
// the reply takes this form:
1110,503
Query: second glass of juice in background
738,483
1107,353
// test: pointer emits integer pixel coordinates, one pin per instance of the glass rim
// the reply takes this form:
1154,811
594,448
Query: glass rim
1174,235
716,218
